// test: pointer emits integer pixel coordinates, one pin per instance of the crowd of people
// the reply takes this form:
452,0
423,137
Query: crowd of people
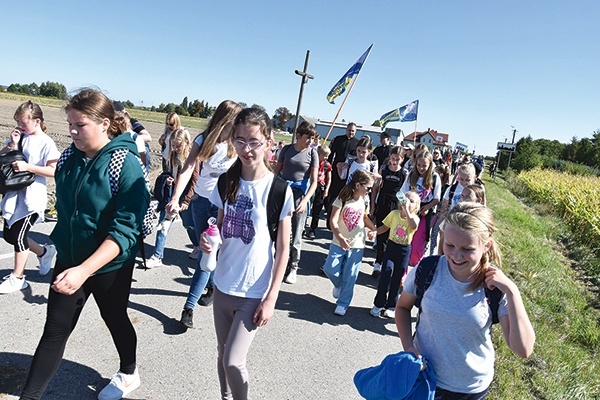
414,203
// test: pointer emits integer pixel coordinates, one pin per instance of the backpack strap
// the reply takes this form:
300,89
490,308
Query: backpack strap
117,158
451,193
424,277
275,201
493,298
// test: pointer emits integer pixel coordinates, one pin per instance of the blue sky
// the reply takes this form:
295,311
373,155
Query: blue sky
477,67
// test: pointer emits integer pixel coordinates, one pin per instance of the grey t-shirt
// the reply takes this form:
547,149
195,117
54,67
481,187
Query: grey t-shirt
454,331
297,165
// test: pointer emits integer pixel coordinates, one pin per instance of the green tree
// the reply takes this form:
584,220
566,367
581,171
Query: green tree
242,104
53,89
169,108
281,116
259,107
184,103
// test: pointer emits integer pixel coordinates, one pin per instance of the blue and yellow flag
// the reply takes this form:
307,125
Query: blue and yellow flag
342,84
409,112
391,116
403,114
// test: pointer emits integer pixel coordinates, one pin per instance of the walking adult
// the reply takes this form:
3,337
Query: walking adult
382,152
97,238
298,164
341,146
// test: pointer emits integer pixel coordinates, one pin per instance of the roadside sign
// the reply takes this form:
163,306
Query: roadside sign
506,146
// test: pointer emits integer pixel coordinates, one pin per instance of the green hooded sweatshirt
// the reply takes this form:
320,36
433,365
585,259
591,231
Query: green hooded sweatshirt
87,211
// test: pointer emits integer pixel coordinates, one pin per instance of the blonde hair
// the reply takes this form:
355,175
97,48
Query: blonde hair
467,169
224,114
428,177
172,118
478,191
323,151
476,219
416,198
177,160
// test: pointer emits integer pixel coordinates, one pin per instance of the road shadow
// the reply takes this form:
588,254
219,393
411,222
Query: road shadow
71,381
311,308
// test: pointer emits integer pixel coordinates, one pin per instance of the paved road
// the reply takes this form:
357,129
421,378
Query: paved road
305,352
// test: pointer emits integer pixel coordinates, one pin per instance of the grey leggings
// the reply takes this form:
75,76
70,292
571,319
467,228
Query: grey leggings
235,332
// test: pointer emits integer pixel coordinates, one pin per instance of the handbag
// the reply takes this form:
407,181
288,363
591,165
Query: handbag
9,179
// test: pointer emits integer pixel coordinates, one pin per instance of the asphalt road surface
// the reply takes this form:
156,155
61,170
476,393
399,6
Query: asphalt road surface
304,352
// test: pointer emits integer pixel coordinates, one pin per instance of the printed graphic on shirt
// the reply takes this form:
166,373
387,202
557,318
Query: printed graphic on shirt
400,232
351,217
424,194
237,222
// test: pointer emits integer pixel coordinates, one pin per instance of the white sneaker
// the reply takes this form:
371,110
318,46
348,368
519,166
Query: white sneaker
390,313
13,284
153,262
336,292
376,311
46,259
291,278
340,310
120,386
376,270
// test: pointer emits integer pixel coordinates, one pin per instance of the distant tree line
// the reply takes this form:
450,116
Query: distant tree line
47,89
196,108
581,156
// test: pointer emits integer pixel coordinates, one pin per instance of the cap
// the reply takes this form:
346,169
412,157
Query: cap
408,147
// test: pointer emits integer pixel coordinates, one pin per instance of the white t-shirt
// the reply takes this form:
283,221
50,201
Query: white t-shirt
456,197
369,166
212,168
38,149
454,331
426,195
139,142
245,262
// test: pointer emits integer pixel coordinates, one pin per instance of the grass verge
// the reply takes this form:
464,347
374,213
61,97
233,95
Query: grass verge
564,364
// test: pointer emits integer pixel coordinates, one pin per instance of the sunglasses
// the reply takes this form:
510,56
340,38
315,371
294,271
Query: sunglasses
241,144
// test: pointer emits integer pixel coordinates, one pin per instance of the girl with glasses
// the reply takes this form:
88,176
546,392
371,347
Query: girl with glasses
248,274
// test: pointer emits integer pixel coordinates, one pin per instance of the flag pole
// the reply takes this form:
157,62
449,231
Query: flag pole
415,135
344,102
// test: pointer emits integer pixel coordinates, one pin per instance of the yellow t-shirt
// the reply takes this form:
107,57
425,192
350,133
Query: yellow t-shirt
400,230
351,222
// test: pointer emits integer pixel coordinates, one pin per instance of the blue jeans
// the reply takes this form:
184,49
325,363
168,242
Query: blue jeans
441,394
395,261
161,235
342,267
202,210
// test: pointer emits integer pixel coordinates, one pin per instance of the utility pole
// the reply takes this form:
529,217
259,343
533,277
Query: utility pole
305,77
510,153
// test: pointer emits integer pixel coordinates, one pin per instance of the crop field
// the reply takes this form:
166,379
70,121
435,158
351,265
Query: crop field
576,199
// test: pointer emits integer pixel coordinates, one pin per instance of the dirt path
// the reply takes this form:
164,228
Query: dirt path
55,120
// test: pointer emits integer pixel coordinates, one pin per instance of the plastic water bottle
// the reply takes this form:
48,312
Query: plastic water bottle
401,197
208,262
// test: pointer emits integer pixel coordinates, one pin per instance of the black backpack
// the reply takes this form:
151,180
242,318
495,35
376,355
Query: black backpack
424,277
275,201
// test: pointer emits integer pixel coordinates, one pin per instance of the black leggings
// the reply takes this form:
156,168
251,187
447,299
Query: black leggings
17,233
111,292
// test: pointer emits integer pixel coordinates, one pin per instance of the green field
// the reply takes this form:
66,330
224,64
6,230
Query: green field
562,309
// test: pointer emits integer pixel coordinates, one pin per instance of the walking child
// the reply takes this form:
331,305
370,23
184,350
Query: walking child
179,149
401,224
21,209
455,315
474,193
384,199
427,183
348,219
249,273
323,182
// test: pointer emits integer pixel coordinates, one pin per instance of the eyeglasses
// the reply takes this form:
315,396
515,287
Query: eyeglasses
171,125
241,144
369,188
